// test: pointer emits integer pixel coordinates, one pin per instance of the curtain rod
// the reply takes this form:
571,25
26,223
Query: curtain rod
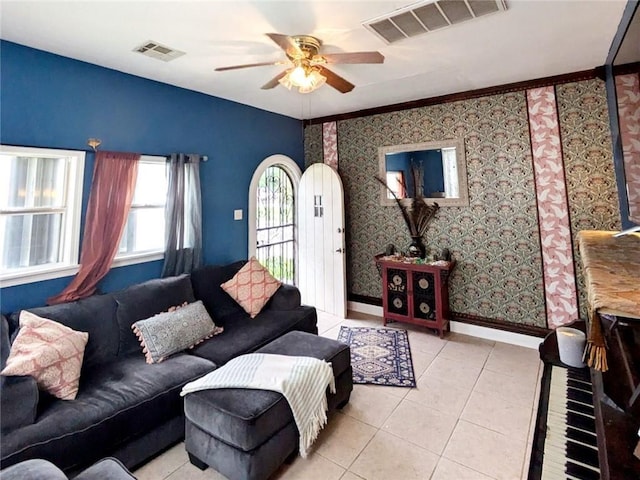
94,143
203,158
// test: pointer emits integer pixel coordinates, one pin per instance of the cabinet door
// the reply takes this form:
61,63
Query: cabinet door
424,295
396,291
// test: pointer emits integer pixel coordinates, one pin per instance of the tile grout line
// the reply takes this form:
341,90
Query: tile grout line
532,420
179,469
462,411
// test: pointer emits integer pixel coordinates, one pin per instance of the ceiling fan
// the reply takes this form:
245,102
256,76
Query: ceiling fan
308,69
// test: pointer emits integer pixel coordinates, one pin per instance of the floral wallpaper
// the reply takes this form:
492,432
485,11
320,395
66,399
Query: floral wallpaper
313,144
496,239
588,161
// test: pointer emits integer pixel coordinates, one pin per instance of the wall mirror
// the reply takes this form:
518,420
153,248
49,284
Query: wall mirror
441,172
623,88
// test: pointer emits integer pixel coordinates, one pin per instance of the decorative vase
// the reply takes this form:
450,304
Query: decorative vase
416,247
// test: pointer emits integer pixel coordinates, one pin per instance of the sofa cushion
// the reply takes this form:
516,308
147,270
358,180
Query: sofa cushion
19,398
286,298
116,403
35,469
252,287
206,287
50,352
18,395
145,300
106,469
242,334
171,332
5,344
95,315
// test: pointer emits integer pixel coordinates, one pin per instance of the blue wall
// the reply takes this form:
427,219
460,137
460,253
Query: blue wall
54,102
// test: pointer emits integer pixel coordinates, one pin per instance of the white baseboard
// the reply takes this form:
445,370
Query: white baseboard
494,334
365,308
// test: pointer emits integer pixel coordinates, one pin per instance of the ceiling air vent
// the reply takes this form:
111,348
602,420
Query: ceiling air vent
158,51
424,17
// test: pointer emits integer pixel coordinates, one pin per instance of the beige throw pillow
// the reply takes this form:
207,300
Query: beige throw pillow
50,352
252,287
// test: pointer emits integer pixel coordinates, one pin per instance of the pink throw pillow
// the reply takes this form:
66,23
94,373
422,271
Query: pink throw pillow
252,287
50,352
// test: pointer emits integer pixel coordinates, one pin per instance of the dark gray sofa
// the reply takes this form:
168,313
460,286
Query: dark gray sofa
126,408
38,469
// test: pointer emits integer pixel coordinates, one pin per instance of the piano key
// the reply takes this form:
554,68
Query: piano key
576,420
580,385
580,408
563,406
582,373
570,444
580,396
581,436
581,472
582,454
561,436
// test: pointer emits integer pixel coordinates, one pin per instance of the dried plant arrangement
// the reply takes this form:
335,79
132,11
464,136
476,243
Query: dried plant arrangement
417,214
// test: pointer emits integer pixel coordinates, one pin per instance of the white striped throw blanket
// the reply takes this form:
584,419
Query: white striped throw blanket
301,380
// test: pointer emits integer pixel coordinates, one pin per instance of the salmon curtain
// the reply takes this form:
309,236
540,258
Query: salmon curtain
112,189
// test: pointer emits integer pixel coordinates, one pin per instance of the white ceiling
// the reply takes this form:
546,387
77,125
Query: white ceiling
532,39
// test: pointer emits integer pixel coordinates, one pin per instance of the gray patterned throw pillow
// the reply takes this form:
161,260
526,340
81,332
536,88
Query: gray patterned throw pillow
170,332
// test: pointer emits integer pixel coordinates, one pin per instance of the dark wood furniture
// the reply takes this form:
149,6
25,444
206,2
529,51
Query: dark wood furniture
616,392
416,293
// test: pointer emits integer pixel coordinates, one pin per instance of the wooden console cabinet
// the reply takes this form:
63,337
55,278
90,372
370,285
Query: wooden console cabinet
416,293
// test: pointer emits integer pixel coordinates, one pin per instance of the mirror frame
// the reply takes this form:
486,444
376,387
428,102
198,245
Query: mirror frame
612,101
461,163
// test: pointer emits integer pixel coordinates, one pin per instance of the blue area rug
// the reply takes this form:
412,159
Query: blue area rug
380,356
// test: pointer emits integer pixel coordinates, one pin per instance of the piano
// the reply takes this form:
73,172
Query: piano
588,420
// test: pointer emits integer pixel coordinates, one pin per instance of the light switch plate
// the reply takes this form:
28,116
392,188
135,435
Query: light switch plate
237,214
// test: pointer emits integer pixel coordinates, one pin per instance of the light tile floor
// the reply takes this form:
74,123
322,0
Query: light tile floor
471,416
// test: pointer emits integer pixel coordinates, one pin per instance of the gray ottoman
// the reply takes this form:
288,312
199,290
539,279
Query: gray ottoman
247,434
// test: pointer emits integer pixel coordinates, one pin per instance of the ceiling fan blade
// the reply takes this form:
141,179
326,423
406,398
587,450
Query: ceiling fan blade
248,65
285,42
354,57
336,81
274,82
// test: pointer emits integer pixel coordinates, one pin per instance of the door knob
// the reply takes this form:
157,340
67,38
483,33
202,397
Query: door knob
339,250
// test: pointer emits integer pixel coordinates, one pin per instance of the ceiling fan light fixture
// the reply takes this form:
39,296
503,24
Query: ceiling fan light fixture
314,81
303,76
298,75
286,81
307,71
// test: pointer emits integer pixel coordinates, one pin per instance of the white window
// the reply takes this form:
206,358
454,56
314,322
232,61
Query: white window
272,216
275,223
143,236
395,182
450,172
40,205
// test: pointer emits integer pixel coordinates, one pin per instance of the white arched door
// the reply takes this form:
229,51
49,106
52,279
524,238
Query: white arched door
322,264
